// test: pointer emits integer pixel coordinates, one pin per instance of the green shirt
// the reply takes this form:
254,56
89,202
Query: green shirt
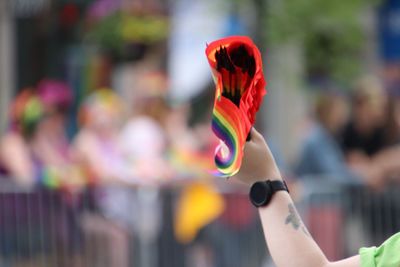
387,255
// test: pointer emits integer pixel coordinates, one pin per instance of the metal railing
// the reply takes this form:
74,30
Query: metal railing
54,228
343,217
44,227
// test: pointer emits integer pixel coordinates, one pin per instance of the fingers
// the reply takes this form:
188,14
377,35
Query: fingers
248,138
256,142
256,136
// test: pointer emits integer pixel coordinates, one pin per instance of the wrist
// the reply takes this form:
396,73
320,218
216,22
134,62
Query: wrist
269,175
272,176
275,175
257,174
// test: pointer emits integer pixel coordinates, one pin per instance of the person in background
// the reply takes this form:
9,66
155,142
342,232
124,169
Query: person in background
56,171
145,146
387,159
96,145
385,199
367,148
17,169
364,136
288,240
15,157
321,154
49,145
322,158
36,152
99,152
143,135
37,140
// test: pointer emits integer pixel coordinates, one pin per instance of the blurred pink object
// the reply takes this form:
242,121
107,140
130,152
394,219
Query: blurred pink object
103,8
54,93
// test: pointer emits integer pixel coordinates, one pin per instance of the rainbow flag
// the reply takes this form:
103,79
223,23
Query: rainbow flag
240,87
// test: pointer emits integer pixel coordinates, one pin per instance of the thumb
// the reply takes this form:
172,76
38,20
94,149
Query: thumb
255,136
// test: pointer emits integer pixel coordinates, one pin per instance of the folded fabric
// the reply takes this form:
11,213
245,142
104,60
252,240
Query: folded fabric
240,86
387,255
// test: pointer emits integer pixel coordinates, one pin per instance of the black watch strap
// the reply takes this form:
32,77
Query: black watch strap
278,185
261,192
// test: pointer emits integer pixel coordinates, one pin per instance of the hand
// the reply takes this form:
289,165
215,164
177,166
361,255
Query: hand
258,164
371,174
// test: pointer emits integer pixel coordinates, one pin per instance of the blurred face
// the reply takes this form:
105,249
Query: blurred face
370,113
153,107
53,123
338,114
103,119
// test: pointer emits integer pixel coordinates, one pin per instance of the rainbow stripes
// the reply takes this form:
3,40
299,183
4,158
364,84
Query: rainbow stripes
228,127
240,86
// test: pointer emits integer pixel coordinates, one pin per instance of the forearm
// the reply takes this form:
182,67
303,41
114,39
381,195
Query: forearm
289,241
287,238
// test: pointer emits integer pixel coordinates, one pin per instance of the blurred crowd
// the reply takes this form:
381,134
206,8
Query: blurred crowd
109,173
115,143
351,142
354,137
108,176
120,176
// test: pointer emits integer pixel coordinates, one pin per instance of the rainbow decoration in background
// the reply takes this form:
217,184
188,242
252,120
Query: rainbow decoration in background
240,87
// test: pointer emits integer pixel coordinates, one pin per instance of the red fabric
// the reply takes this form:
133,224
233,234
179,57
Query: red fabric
253,87
236,66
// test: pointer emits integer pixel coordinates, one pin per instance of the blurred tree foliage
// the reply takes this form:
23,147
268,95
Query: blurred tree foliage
330,31
120,30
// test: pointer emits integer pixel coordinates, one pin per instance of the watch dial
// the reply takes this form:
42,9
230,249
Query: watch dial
259,193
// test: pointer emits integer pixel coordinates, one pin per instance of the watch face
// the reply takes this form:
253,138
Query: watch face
260,194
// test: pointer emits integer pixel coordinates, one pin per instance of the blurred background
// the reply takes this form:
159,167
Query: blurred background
105,110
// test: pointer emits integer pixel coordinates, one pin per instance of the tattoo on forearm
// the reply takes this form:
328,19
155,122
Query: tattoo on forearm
294,219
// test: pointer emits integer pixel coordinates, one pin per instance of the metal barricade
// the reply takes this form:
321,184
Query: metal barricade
342,217
51,228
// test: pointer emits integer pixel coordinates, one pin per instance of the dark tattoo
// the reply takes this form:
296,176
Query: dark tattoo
294,219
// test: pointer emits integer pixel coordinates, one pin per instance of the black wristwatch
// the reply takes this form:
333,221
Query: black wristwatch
262,192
